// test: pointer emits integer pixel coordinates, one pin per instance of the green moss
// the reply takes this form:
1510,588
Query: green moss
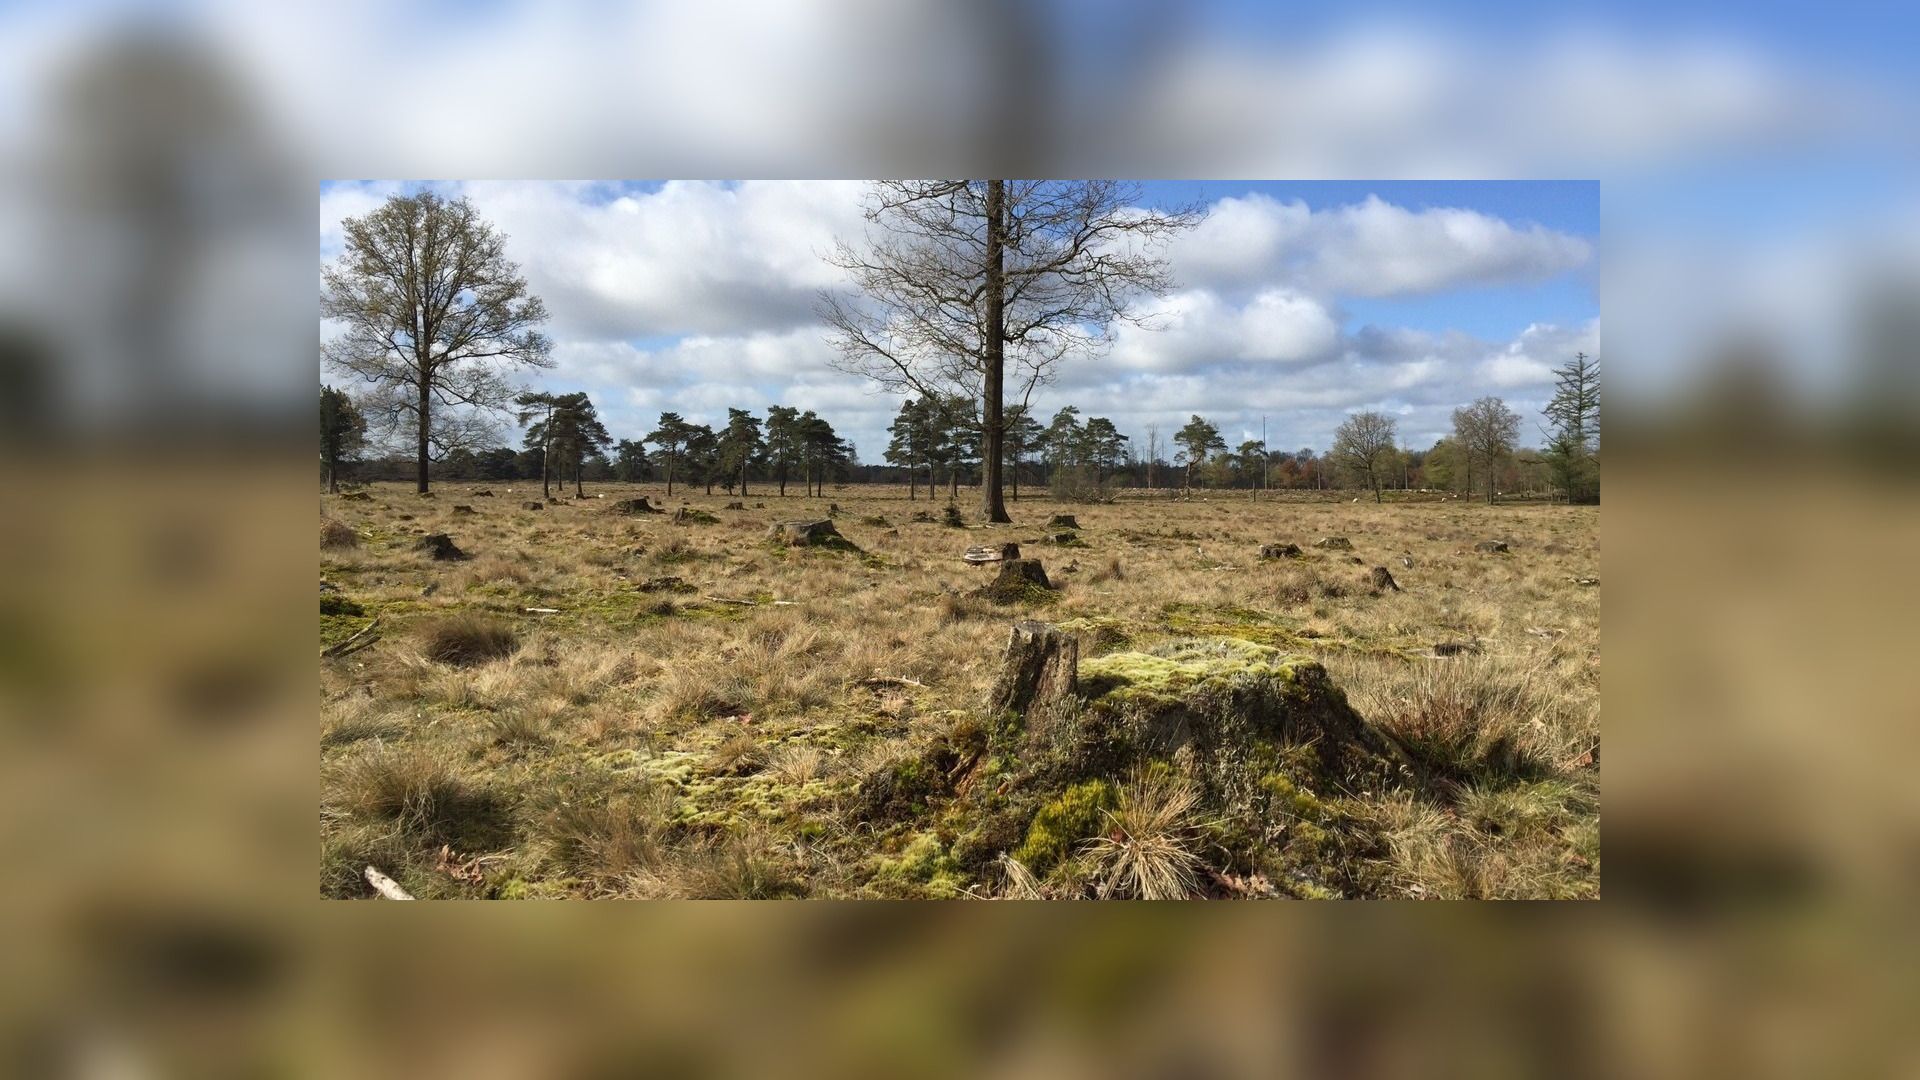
924,867
1267,628
338,604
1060,825
1171,673
1097,632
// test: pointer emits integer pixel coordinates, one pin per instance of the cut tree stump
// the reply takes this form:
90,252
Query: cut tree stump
483,493
533,504
1041,667
441,547
1382,580
1334,543
462,508
806,533
1062,521
980,555
1280,551
636,506
1019,579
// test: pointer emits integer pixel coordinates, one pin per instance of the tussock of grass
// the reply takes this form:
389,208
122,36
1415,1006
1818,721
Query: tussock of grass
337,535
466,639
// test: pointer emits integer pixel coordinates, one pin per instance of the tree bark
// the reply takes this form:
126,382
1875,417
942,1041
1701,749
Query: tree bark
992,432
426,399
1041,667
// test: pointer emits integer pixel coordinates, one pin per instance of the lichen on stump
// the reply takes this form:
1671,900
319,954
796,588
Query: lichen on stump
1020,580
809,534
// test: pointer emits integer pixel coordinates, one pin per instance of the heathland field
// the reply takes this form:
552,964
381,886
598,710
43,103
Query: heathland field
588,702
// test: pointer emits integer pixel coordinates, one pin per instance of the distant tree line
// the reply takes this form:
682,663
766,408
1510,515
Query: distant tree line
934,444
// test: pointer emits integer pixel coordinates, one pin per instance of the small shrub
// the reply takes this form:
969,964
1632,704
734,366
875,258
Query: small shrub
467,639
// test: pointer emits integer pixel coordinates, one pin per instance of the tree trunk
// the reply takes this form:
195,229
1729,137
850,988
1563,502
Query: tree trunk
1041,667
992,434
669,474
743,477
426,406
333,473
579,466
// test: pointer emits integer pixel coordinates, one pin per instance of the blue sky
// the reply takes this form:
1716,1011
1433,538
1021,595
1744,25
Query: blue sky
1297,301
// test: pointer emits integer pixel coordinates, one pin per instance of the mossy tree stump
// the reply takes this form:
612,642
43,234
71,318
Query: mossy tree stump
1062,521
807,534
1019,579
1041,667
636,506
1280,551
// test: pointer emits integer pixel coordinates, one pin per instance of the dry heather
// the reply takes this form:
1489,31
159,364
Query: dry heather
554,717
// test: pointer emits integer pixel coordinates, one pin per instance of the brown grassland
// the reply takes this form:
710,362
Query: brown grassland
748,730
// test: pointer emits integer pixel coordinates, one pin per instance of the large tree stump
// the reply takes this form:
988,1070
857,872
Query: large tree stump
1280,551
806,533
1041,667
636,506
533,504
441,547
1062,521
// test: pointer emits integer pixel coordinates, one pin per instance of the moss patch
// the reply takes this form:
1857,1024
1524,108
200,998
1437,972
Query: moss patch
1060,825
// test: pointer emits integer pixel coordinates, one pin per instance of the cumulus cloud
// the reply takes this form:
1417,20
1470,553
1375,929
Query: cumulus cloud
1372,248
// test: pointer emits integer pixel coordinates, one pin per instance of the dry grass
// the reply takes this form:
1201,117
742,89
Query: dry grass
621,742
466,639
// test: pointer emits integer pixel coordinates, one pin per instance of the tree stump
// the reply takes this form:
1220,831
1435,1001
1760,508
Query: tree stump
1041,667
833,510
687,516
1334,543
1019,579
982,555
805,533
1492,547
440,546
1280,551
1062,521
483,493
636,506
462,508
534,504
736,506
1380,579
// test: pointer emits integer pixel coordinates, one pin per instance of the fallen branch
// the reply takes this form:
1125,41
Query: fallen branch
892,680
541,610
386,886
344,647
729,600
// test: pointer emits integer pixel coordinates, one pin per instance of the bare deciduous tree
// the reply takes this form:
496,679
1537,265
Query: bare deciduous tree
961,281
1486,430
1364,446
433,313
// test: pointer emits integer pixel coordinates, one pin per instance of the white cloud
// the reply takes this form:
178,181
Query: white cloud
1371,248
